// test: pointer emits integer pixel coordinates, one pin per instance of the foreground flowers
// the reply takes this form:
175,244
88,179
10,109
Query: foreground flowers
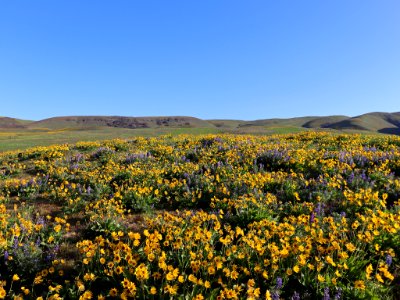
309,215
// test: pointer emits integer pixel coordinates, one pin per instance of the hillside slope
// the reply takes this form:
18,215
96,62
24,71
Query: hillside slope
119,122
6,122
375,122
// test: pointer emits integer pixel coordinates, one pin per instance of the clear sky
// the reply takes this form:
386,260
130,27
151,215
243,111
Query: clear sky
210,59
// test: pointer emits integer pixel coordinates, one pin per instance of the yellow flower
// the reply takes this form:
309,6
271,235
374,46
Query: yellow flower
172,290
359,284
141,272
25,290
3,293
15,277
379,278
81,286
153,290
57,228
368,271
86,295
330,261
113,292
296,269
350,247
207,284
268,295
321,278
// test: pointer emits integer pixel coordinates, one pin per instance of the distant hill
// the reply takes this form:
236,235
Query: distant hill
6,122
119,122
375,122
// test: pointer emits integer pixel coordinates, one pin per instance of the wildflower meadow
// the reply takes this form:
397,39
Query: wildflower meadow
311,215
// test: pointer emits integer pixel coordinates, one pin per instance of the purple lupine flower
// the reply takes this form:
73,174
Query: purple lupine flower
318,209
312,217
279,283
326,294
89,189
389,259
296,296
40,221
15,244
338,294
275,296
6,255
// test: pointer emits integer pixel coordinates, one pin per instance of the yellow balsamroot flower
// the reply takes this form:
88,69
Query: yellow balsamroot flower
330,261
81,286
86,295
57,228
172,290
268,295
15,277
113,292
3,293
368,271
207,284
141,272
151,256
350,247
89,277
359,284
334,281
320,278
296,269
379,278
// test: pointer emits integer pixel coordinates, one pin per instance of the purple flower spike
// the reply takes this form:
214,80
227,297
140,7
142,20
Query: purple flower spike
312,217
296,296
326,294
389,259
279,283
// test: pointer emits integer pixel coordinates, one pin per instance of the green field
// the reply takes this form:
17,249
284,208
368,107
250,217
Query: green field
19,139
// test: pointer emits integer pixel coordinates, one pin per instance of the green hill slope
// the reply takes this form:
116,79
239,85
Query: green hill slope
119,122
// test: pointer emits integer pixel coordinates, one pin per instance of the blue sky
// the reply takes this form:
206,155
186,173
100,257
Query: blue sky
208,59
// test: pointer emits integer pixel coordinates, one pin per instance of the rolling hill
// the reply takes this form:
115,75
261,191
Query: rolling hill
376,122
119,122
6,122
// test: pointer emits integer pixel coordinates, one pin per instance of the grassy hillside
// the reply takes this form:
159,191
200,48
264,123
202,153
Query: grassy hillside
21,134
119,122
6,122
